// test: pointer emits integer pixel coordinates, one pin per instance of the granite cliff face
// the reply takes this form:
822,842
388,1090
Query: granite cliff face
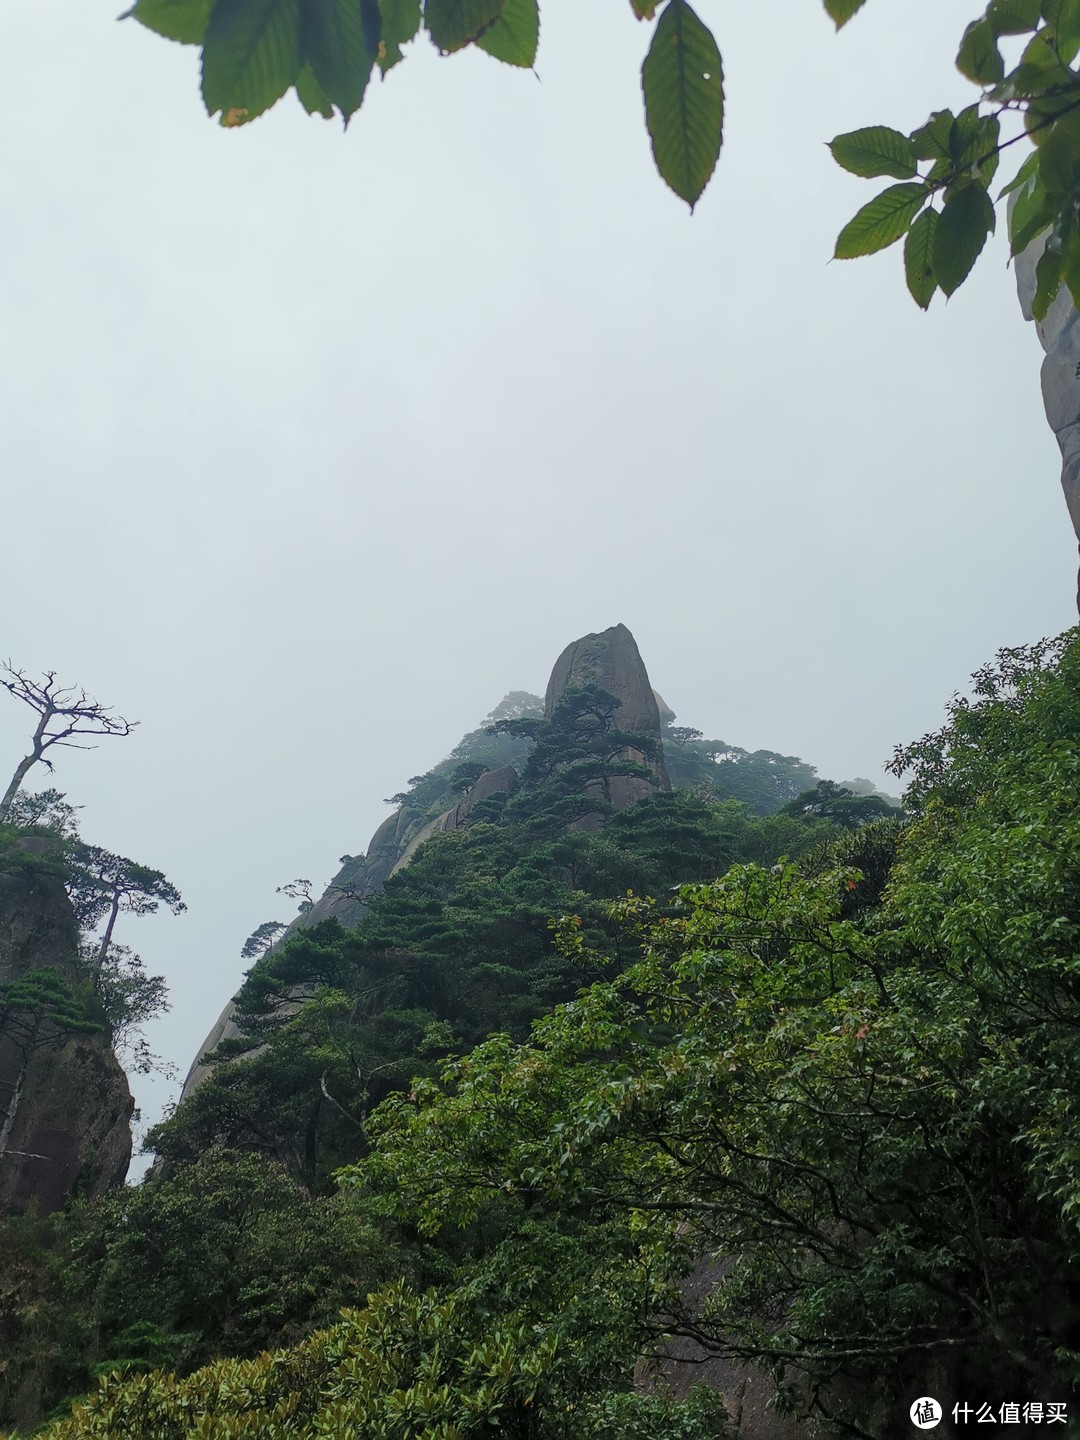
71,1130
610,660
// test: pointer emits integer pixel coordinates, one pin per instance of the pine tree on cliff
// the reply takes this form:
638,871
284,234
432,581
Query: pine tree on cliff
62,713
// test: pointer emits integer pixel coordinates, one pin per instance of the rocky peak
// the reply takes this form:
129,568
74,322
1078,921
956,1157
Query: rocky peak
612,661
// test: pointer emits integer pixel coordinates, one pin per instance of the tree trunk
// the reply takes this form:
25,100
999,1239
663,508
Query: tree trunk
13,789
106,939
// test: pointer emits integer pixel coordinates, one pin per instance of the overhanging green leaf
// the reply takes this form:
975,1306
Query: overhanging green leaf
338,51
841,11
919,258
1047,282
400,23
876,150
645,9
1013,17
1064,17
963,133
453,24
978,57
312,96
931,141
967,219
181,20
1022,176
881,222
683,85
251,55
1033,212
1059,158
515,35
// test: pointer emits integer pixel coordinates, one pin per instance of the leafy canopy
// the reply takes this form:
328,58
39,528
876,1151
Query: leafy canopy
253,51
850,1082
859,1097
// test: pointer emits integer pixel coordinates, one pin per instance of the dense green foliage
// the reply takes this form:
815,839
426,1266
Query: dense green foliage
847,1084
864,1098
459,944
227,1249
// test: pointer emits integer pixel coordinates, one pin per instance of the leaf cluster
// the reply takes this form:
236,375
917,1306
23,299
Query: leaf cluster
942,206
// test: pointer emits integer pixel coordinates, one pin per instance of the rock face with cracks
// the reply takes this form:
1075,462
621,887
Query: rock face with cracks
65,1105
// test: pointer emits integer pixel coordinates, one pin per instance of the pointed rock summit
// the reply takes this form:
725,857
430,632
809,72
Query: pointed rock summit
609,660
612,661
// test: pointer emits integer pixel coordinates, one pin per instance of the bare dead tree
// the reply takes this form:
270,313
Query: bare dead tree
63,712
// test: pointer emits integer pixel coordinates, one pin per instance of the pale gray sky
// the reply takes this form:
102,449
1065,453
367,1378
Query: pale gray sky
315,445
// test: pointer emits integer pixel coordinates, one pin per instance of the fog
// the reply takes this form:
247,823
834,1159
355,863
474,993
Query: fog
315,444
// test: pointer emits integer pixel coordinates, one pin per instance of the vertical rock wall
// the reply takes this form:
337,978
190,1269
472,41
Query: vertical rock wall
72,1128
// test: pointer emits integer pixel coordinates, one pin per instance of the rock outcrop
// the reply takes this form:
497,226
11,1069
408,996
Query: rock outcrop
1059,335
360,878
71,1128
610,660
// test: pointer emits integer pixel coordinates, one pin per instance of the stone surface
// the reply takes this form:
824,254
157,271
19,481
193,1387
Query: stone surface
361,877
1059,335
489,784
611,660
72,1130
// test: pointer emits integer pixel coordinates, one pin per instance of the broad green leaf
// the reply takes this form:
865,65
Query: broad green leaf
1045,61
919,258
1059,156
400,23
841,11
978,57
515,34
877,150
1033,213
338,51
1025,173
251,55
453,24
1064,17
881,222
683,84
1047,282
312,96
931,141
967,219
962,132
989,143
182,20
1013,17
